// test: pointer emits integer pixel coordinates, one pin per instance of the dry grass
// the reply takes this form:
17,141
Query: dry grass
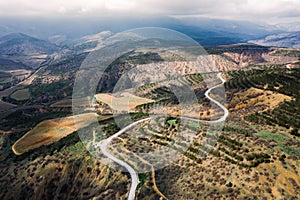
257,97
282,175
50,131
125,102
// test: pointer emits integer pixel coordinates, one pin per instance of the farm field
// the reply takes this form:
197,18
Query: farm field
50,131
67,103
21,95
257,97
124,102
12,77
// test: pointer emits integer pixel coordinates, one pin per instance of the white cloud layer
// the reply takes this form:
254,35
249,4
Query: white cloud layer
272,11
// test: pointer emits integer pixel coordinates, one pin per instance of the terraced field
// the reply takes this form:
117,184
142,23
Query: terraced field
166,101
279,80
255,155
245,151
286,115
282,80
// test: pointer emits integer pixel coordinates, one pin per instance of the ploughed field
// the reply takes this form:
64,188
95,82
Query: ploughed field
53,130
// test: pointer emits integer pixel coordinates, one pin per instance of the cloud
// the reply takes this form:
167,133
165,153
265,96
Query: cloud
253,10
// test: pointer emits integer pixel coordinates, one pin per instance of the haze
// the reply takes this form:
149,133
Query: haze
267,11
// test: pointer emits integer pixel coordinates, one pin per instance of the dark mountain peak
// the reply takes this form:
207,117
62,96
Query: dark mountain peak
22,44
17,36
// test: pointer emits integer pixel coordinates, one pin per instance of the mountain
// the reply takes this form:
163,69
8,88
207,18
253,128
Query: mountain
291,40
288,26
208,32
213,32
8,65
19,44
90,42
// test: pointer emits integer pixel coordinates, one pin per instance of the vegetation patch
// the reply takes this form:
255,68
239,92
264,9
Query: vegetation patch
286,115
279,138
172,122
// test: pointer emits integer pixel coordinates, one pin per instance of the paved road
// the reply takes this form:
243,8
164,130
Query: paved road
226,112
134,176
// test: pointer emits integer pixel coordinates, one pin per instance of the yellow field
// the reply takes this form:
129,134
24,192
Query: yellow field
21,95
50,131
126,102
256,97
67,103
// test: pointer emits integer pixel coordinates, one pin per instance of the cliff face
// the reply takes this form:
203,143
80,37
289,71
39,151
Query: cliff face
157,67
238,60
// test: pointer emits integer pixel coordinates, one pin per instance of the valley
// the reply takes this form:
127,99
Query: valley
241,146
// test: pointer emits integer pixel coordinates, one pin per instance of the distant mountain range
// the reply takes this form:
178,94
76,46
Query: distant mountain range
213,32
89,42
19,44
208,32
291,40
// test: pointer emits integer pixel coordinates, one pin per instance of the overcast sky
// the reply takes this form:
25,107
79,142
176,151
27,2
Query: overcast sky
266,11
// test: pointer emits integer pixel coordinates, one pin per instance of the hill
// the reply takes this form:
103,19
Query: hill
291,40
19,44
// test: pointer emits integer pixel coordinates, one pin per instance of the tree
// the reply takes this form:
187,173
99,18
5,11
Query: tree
295,132
229,184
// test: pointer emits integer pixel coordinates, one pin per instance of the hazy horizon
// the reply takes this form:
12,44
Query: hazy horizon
233,20
262,12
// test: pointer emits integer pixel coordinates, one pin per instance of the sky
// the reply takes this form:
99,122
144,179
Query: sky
264,11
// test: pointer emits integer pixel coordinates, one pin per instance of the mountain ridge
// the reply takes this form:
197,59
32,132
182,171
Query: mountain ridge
21,44
290,39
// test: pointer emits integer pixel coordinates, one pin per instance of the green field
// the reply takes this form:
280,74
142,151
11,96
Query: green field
281,140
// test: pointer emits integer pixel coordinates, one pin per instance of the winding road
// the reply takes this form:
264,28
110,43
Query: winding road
134,176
